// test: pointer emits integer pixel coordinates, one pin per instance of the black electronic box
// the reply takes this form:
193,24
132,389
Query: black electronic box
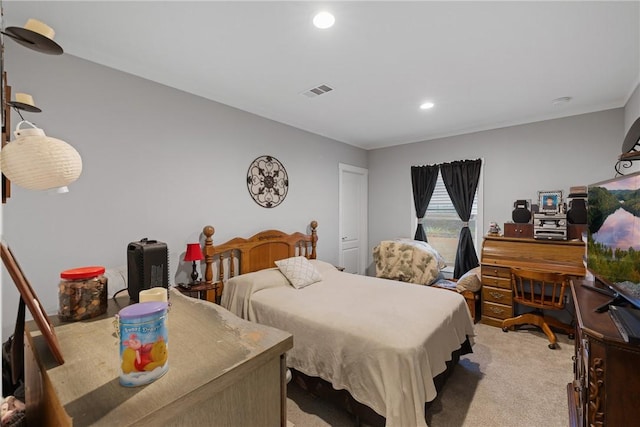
147,266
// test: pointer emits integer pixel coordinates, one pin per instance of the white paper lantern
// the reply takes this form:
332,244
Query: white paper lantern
38,162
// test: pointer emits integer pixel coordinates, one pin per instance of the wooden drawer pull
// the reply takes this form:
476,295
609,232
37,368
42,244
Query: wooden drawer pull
496,295
496,310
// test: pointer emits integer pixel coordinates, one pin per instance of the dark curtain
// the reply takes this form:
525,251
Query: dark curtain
423,180
461,180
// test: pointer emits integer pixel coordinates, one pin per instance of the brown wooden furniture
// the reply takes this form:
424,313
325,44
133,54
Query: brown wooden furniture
512,229
500,254
6,131
542,291
241,256
471,298
473,302
198,290
606,389
30,299
224,371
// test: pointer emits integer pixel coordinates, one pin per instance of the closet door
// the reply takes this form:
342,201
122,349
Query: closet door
353,218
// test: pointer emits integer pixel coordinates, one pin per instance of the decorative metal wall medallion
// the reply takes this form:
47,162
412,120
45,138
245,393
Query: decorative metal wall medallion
267,181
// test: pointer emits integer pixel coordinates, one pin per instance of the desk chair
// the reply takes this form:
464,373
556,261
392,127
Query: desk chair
542,291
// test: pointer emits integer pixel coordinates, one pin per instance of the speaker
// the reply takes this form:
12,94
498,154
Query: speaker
521,213
577,213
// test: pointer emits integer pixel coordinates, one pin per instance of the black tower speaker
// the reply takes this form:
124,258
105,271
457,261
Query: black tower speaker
521,213
577,213
147,266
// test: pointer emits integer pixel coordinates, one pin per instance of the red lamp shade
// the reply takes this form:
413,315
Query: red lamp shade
194,253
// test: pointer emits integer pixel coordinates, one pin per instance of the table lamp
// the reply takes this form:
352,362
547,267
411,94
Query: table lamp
194,253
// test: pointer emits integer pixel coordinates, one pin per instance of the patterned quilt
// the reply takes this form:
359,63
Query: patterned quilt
405,262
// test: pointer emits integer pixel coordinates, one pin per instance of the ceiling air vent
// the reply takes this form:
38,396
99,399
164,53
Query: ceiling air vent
317,91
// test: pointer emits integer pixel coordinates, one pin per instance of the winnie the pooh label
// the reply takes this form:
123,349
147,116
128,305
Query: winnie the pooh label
143,343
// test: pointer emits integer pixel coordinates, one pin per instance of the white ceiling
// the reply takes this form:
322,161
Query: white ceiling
484,64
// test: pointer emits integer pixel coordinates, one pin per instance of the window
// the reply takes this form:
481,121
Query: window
442,224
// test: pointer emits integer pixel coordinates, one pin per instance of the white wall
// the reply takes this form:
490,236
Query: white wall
161,163
157,163
518,162
632,109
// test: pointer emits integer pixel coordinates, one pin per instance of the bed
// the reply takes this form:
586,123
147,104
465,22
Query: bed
386,344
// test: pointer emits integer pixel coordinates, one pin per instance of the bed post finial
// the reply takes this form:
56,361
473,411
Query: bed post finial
208,231
314,238
208,255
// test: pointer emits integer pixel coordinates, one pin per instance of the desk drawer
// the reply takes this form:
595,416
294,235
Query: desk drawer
496,271
498,311
499,295
500,282
518,230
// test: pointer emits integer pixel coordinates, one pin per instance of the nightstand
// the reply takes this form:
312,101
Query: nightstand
199,290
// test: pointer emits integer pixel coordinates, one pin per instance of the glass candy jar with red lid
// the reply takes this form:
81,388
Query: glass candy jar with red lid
82,293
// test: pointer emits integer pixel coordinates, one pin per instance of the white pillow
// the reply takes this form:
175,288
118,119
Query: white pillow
299,271
470,281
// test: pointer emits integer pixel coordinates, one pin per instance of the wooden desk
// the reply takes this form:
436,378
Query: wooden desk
223,371
606,389
500,254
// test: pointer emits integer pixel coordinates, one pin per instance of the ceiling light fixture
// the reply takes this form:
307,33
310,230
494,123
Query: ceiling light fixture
427,105
324,20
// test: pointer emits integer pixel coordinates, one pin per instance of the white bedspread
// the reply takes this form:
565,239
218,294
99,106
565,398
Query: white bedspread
381,340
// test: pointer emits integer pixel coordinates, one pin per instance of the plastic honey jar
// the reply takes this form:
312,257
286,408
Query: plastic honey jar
82,293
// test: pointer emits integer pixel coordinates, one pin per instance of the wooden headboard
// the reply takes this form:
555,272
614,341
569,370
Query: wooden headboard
240,255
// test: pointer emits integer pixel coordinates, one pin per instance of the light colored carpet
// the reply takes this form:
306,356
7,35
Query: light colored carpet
510,379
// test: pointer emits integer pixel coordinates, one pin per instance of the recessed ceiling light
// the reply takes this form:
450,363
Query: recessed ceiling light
323,20
561,101
427,105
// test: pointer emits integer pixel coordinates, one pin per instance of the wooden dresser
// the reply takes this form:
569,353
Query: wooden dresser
499,254
223,371
606,389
